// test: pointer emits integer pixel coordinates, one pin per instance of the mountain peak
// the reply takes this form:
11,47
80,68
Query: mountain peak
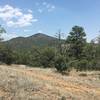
38,39
39,34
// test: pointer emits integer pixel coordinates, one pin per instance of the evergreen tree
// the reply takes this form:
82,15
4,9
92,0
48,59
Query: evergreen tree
76,40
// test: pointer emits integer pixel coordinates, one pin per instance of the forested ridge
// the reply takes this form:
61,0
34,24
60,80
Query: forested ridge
45,51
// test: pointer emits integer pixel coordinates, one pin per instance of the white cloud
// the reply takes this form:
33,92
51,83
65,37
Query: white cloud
15,17
45,6
30,11
7,36
49,6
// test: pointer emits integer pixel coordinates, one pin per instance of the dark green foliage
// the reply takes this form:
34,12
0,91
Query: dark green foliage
76,40
21,57
5,52
36,57
73,63
6,55
35,54
47,57
82,65
79,65
60,63
90,51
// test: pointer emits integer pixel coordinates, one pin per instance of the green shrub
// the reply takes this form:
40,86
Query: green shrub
79,65
93,65
97,67
73,63
47,57
60,64
82,65
6,55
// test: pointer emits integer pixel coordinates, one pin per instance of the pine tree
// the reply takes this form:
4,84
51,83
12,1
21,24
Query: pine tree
76,40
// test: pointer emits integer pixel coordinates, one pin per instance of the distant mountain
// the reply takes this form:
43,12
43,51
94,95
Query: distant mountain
38,39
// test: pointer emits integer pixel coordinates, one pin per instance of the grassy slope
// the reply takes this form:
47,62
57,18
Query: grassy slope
21,83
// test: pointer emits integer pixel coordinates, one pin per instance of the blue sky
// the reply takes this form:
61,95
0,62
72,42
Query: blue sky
27,17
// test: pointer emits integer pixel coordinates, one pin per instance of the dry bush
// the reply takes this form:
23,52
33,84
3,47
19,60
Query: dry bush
83,74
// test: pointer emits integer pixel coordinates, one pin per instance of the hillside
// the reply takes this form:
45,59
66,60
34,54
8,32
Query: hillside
38,39
18,82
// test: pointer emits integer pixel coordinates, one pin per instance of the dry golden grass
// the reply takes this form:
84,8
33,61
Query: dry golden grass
18,82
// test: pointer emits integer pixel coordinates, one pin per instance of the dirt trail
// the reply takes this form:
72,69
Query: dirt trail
64,86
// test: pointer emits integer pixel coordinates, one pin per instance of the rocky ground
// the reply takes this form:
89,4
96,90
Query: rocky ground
18,82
